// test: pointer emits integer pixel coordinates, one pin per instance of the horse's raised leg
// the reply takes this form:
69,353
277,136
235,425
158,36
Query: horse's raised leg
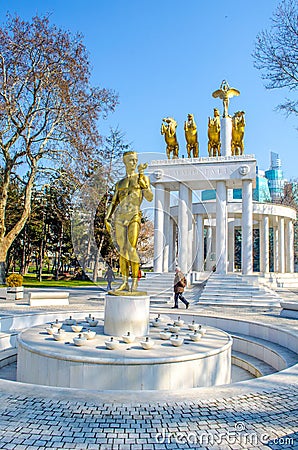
188,151
196,150
175,151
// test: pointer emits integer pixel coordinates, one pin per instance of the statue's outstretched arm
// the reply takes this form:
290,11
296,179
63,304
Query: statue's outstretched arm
144,182
147,192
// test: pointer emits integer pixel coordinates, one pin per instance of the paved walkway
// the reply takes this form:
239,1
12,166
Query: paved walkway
257,421
263,419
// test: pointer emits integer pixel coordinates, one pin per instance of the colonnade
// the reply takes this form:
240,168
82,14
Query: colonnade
218,229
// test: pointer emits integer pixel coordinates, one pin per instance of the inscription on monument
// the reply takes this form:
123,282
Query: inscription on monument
208,172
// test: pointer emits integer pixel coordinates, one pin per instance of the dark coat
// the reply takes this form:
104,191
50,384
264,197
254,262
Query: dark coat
179,282
109,276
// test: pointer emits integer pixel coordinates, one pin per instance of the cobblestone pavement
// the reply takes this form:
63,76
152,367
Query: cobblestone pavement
267,419
256,421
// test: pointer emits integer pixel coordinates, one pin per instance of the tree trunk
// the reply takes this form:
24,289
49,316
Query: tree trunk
23,260
40,263
26,266
2,272
3,258
24,253
59,253
42,246
96,265
7,240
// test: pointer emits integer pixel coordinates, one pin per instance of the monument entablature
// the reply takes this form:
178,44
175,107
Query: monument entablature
203,173
208,209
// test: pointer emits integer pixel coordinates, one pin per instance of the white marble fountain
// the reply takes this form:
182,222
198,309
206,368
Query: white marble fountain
128,351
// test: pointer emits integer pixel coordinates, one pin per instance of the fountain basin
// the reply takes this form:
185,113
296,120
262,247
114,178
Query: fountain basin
43,361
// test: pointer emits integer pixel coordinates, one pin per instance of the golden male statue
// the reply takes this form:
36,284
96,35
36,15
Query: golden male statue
238,126
169,130
191,136
225,93
214,134
125,206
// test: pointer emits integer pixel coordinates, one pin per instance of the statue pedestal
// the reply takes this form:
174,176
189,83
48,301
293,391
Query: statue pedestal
226,136
126,313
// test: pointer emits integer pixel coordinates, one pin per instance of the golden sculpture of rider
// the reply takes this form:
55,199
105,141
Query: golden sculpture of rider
238,126
214,134
191,136
168,128
125,208
225,93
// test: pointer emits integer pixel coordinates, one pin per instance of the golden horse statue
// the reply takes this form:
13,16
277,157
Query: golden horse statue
169,130
191,136
238,125
214,134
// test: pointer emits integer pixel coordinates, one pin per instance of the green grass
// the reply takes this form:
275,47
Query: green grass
30,281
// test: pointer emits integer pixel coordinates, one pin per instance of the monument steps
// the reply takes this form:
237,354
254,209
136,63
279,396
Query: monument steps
243,289
159,287
8,339
281,280
277,356
235,296
234,290
8,356
253,365
229,302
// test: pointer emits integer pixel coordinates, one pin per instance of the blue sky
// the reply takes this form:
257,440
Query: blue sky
165,58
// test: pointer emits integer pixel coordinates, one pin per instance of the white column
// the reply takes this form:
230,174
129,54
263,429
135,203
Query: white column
231,246
276,248
172,240
183,227
159,197
290,247
213,246
264,245
261,247
281,247
199,244
247,228
166,230
226,136
190,243
208,246
221,227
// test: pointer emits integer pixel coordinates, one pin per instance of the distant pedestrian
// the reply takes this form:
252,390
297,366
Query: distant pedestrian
110,277
179,285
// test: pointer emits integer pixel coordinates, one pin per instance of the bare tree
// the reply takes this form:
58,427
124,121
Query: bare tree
145,243
276,52
48,109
